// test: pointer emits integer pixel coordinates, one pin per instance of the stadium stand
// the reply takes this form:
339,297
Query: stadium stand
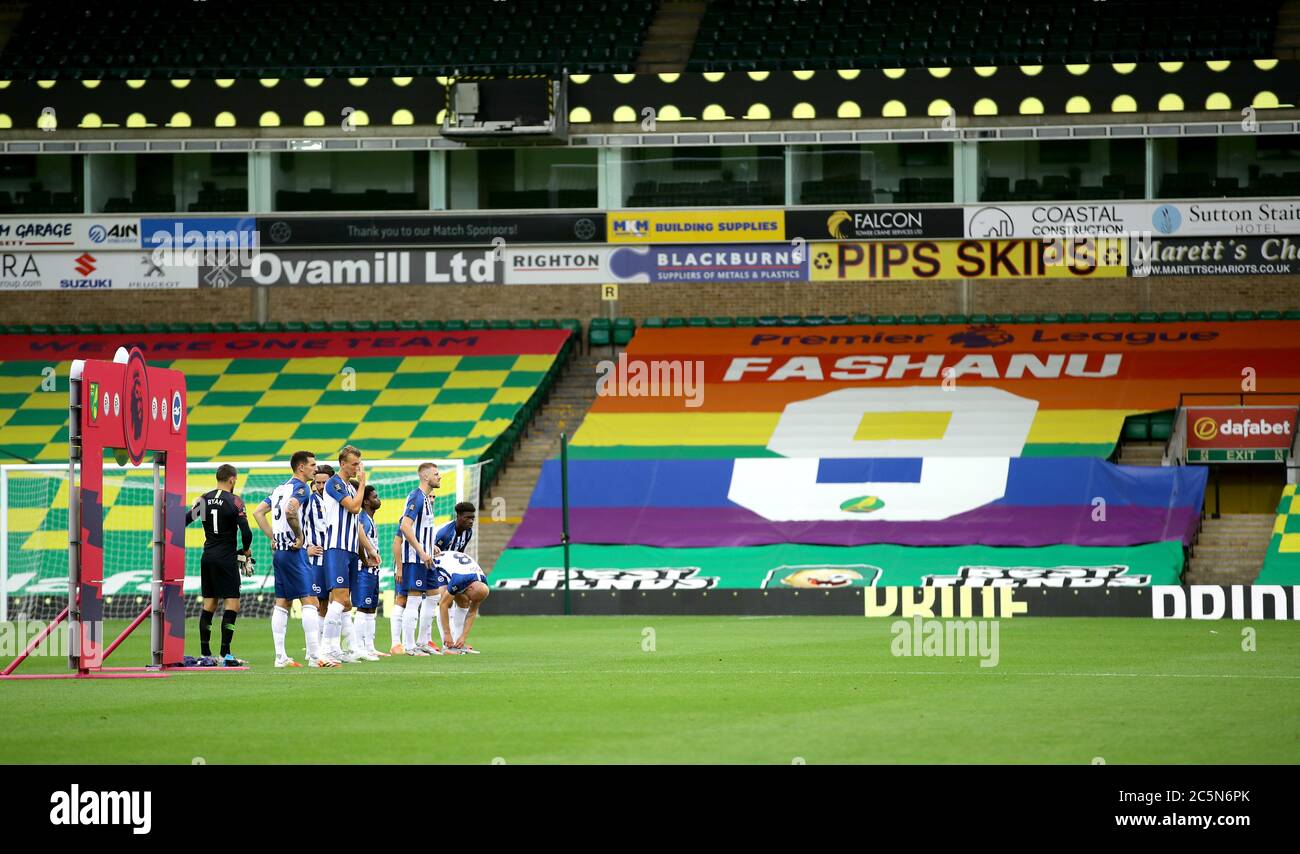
792,34
450,406
64,39
246,410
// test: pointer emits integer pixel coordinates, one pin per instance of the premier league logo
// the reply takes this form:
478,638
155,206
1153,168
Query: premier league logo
976,337
136,391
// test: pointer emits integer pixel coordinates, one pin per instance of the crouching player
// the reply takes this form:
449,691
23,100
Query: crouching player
455,537
467,587
365,588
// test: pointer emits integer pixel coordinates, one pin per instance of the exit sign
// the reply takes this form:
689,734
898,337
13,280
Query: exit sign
1236,455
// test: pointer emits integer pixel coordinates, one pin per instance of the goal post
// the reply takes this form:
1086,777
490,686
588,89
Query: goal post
33,538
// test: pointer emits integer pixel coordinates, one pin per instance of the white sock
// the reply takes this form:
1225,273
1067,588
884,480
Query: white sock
437,620
457,619
367,632
426,619
395,623
333,627
279,628
409,621
349,631
311,628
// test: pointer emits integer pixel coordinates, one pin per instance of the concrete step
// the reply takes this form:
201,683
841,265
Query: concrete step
1141,453
1235,536
1226,556
1241,517
1237,528
1225,578
562,412
1211,560
1216,574
1214,565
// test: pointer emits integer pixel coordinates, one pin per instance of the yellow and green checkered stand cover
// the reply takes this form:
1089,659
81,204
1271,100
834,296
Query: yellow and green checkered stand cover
429,394
1282,560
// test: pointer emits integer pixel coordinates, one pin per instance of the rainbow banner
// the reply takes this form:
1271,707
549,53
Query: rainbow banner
919,391
937,501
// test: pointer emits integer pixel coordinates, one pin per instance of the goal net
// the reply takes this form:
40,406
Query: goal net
34,531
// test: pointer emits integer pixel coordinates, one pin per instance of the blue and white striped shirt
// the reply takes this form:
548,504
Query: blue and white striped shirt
368,525
278,501
419,510
449,540
314,527
341,524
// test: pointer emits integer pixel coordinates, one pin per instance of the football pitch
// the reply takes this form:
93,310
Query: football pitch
696,690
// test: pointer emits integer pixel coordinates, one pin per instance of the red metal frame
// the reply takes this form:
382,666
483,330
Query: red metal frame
31,647
123,404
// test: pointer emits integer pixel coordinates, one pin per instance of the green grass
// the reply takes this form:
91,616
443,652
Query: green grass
827,689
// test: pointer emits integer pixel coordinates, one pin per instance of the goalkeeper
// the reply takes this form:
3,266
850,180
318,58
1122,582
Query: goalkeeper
222,513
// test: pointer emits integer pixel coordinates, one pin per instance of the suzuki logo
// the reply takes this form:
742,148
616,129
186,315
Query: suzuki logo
85,263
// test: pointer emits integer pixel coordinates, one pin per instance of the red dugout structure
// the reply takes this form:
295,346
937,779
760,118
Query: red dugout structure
126,406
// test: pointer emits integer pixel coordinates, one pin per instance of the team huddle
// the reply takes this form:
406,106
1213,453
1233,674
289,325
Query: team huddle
325,555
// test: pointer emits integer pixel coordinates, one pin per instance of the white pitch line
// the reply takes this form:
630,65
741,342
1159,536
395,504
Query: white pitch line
979,673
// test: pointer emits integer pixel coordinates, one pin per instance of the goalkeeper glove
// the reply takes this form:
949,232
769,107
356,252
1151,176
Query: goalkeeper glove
247,564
